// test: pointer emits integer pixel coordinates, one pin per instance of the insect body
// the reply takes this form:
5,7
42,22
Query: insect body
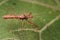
22,17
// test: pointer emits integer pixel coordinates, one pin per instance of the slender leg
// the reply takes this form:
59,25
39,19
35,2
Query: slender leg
25,11
35,26
22,25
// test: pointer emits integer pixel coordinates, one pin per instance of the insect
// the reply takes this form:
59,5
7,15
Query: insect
22,17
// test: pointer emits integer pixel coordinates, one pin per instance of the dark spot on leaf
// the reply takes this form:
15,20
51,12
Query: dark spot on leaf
14,3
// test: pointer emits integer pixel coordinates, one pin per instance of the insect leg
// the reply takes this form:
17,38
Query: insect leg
33,24
22,25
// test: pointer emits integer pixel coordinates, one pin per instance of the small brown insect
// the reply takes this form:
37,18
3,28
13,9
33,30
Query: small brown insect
21,17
